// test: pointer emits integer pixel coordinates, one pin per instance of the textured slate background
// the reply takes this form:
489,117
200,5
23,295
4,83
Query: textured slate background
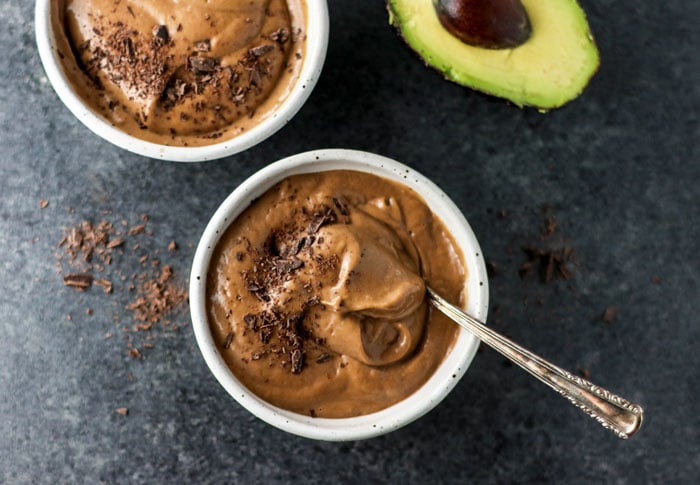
620,166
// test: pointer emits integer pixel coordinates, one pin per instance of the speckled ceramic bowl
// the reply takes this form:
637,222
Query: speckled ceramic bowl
316,45
450,370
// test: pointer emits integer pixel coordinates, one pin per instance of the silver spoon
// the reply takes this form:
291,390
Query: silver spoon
613,412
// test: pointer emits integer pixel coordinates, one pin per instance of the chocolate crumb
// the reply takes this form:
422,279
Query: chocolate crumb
260,50
251,321
160,35
122,411
202,64
324,357
288,265
585,373
43,203
116,242
79,281
203,45
610,314
341,206
550,227
280,35
656,280
552,263
297,360
492,269
138,229
172,246
229,339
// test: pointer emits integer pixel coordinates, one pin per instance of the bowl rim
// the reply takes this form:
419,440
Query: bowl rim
316,48
450,370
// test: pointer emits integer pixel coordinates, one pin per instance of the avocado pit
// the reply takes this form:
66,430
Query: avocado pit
491,24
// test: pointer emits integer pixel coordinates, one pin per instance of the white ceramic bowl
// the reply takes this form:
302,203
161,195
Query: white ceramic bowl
450,370
316,44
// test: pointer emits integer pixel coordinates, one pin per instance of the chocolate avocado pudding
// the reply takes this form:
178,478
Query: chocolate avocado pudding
181,73
316,294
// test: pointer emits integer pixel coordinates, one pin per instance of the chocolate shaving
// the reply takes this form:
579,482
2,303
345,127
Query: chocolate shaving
324,357
160,35
288,265
253,287
229,339
105,284
203,45
552,263
255,79
341,206
297,361
138,229
550,227
251,321
260,50
610,314
265,335
79,281
320,218
280,35
116,242
202,65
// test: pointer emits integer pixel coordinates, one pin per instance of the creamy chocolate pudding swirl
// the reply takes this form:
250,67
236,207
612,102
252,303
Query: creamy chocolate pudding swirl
181,72
316,294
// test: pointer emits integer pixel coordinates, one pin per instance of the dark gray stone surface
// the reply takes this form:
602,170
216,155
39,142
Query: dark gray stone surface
620,166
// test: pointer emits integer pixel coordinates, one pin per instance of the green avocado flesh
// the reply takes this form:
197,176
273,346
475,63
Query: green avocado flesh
551,68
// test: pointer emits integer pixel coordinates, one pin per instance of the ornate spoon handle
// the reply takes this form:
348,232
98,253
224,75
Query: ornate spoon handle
613,412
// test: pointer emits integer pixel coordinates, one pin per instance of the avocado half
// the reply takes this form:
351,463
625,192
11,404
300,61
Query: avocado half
549,69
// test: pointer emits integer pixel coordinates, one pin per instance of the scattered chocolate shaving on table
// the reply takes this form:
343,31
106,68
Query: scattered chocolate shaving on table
585,373
551,263
43,203
86,255
157,297
552,257
122,411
